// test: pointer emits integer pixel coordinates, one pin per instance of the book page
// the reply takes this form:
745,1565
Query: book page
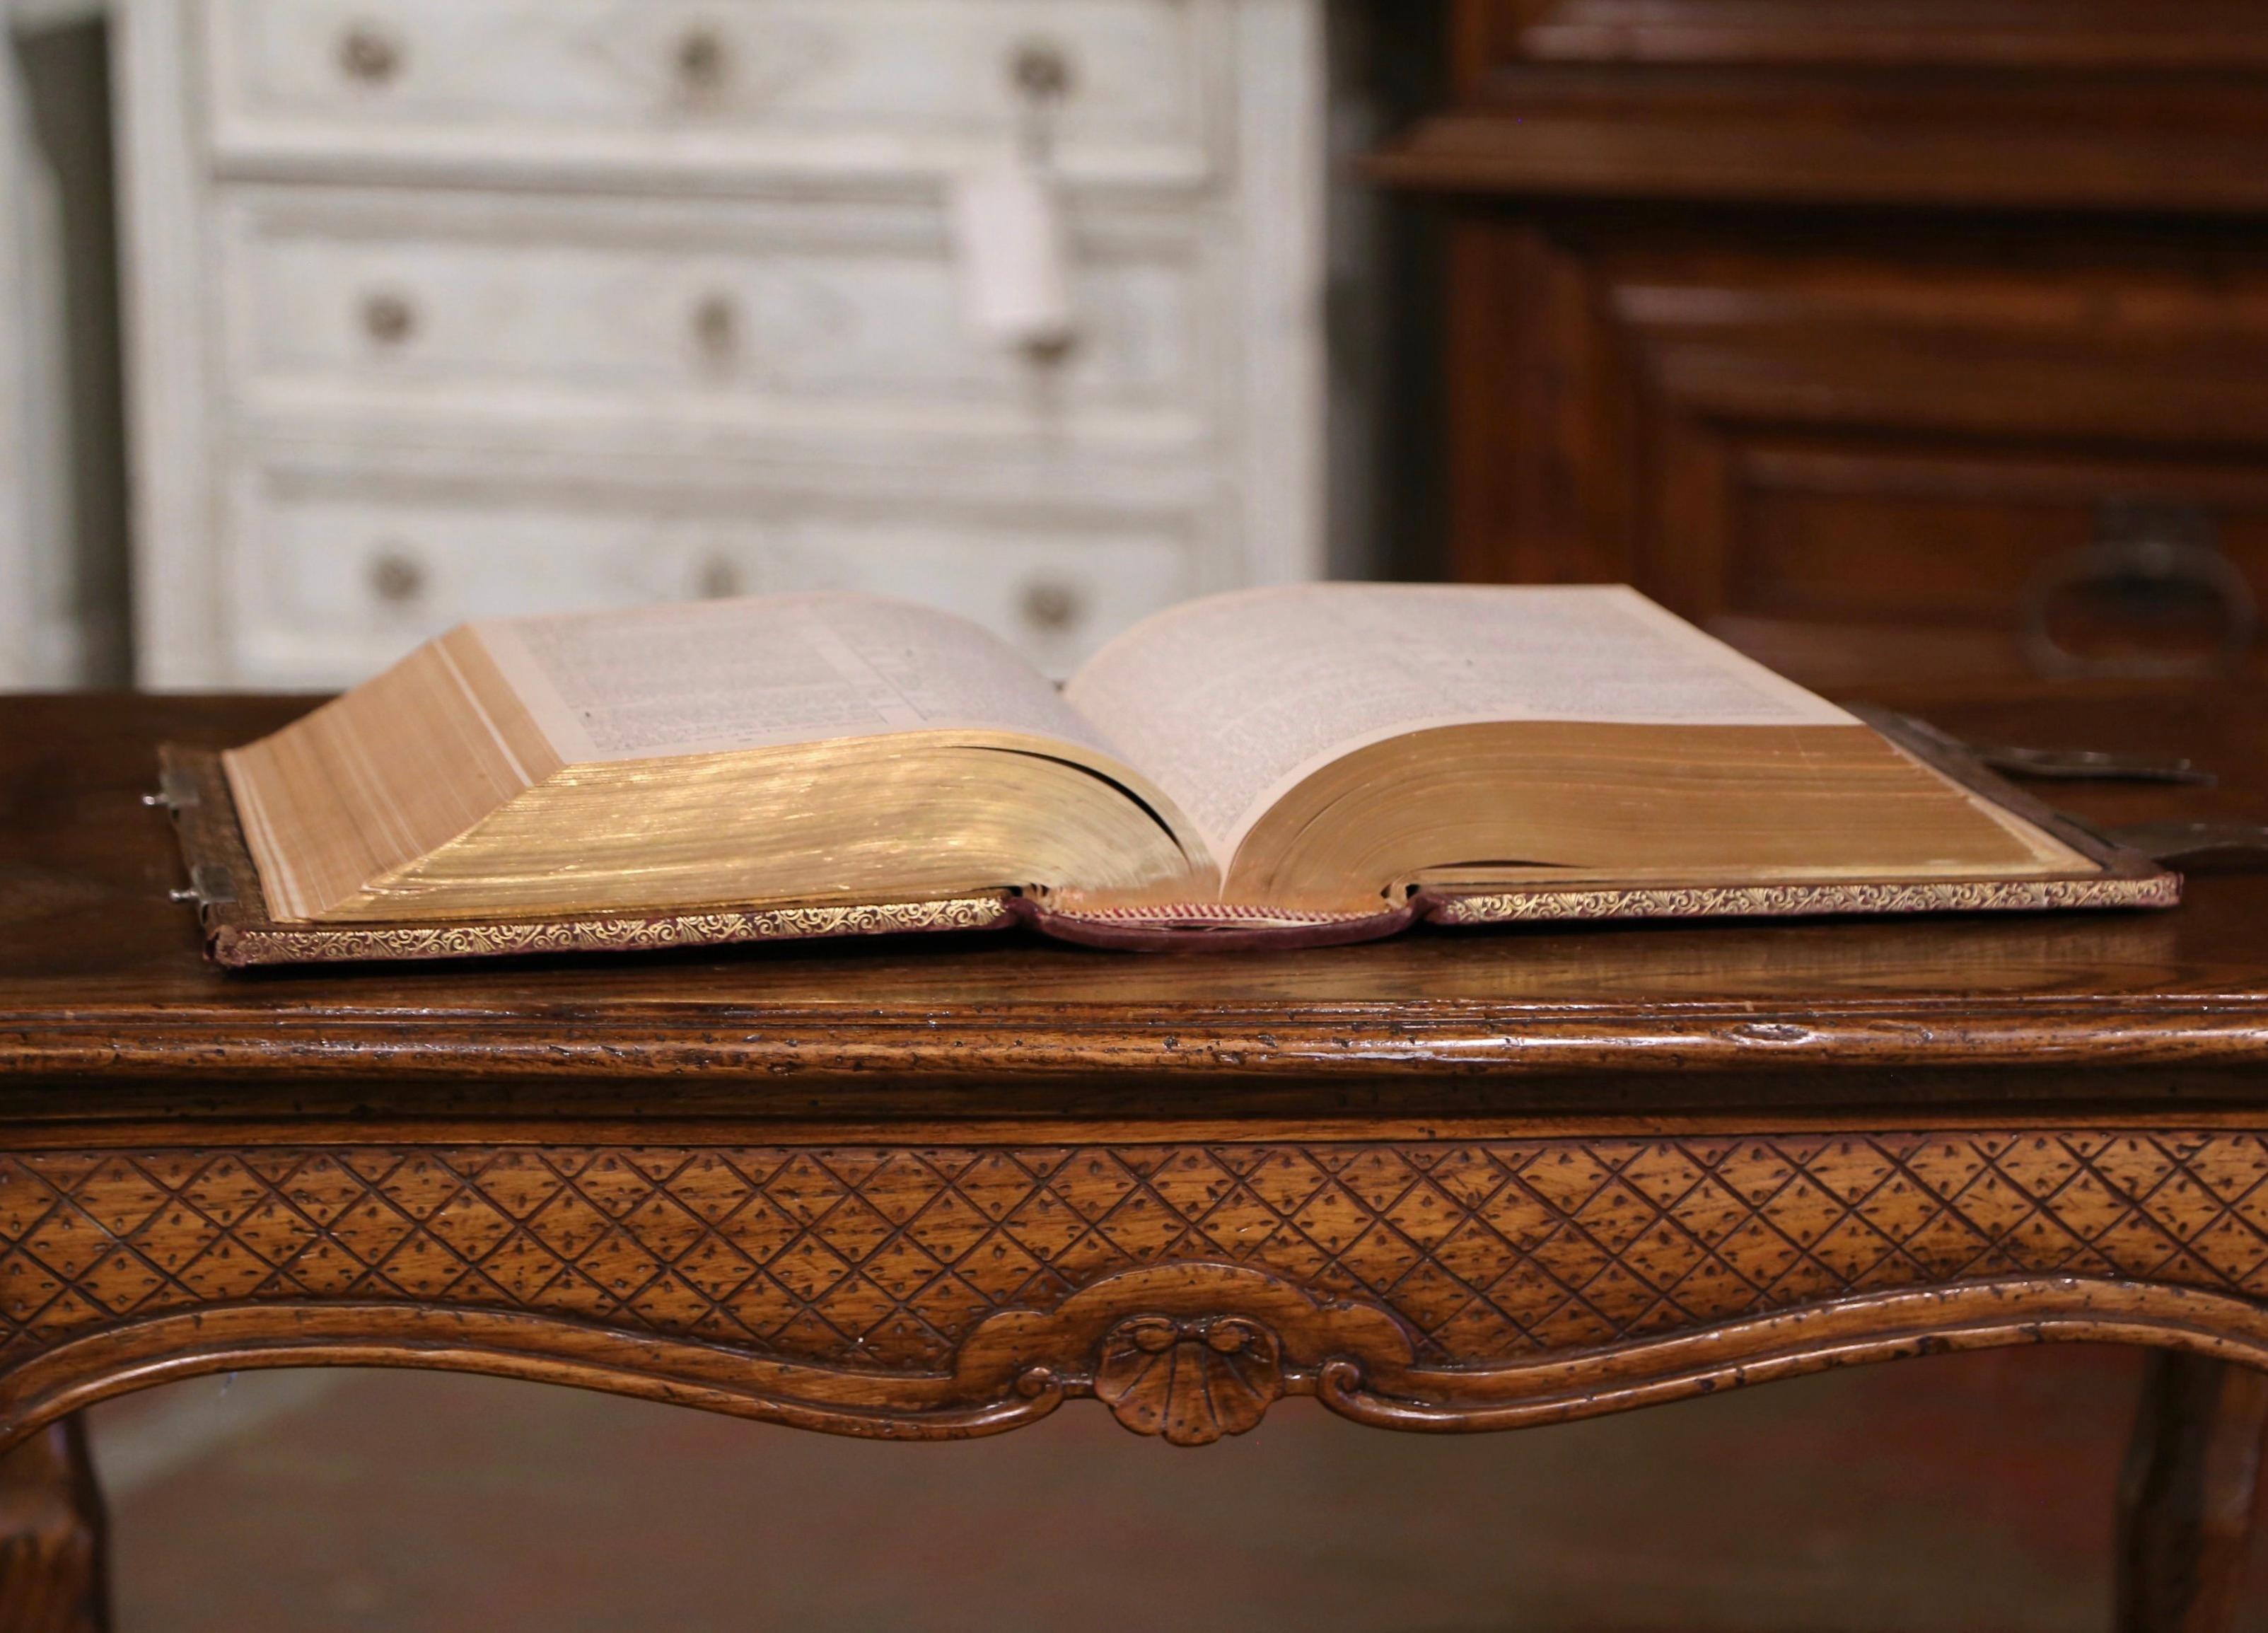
1229,701
721,676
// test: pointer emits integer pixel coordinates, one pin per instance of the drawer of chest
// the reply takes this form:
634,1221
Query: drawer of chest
1984,454
1857,560
773,316
338,572
844,86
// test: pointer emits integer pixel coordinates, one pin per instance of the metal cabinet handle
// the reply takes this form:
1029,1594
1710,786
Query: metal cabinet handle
397,578
1051,605
701,60
1041,71
388,318
367,55
719,579
716,325
2142,551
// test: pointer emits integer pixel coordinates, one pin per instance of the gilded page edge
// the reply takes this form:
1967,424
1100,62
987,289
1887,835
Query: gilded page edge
2110,890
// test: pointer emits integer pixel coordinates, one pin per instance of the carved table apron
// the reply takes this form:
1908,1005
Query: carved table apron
913,1292
903,1190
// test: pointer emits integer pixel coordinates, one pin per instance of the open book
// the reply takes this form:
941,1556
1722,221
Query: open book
1323,758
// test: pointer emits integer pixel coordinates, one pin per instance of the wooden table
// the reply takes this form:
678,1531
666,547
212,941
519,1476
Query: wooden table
909,1190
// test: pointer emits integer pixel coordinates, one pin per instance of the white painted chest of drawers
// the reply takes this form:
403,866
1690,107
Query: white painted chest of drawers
442,309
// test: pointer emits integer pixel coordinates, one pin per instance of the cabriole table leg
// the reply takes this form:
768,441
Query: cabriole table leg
52,1552
2187,1497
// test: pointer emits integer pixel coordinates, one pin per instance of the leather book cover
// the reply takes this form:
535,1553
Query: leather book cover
238,932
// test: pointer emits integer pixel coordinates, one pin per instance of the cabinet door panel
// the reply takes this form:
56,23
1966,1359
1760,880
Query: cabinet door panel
2042,457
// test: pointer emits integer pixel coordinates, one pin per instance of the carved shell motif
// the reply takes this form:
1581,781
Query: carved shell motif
1191,1381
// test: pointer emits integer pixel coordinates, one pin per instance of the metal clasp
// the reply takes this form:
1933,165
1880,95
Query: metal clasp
210,886
2165,840
176,791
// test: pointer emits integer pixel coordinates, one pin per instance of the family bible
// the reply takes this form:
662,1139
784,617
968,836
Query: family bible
1317,763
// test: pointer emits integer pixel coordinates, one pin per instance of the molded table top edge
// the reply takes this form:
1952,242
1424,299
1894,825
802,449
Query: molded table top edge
649,1039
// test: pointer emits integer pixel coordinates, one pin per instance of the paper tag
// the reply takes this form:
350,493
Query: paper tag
1008,235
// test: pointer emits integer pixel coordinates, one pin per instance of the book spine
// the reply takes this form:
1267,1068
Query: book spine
1210,927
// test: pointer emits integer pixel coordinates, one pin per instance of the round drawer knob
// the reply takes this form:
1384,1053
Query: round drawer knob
715,326
1051,605
396,578
701,60
388,318
718,579
368,55
1041,71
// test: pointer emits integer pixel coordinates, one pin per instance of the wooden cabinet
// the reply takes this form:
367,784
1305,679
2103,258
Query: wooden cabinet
452,308
1925,338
